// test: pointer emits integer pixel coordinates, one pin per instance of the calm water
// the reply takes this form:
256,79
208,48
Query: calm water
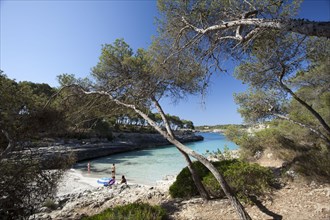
148,166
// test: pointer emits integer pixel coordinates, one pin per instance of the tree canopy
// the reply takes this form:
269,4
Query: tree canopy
25,182
271,45
214,30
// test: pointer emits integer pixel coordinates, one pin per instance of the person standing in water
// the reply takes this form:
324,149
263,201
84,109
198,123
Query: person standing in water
113,171
89,166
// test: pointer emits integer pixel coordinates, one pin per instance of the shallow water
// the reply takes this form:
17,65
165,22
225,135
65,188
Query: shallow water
149,165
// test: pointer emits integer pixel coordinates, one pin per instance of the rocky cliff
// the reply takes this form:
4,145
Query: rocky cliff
86,149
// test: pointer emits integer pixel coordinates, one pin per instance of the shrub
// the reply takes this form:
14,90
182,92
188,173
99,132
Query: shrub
245,180
102,129
135,211
249,179
50,203
314,165
184,186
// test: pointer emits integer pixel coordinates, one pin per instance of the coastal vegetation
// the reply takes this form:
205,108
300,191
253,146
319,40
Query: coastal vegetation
134,211
245,179
295,110
26,182
221,128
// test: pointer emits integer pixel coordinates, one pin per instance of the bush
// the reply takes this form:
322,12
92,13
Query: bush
135,211
249,179
184,186
245,180
102,129
314,165
25,186
50,203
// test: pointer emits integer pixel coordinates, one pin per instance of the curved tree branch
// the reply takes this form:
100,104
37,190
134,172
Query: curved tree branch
194,174
304,126
301,26
303,103
9,147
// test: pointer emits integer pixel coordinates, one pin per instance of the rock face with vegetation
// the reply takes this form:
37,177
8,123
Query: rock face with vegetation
86,149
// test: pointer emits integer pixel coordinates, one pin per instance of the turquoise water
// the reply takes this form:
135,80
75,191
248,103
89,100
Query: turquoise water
149,165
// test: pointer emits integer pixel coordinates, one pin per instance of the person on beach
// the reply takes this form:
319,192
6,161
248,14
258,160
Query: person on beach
89,166
113,171
123,180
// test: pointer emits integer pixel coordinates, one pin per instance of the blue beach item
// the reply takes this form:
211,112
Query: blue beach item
104,180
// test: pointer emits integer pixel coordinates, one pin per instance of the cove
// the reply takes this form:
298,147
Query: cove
150,165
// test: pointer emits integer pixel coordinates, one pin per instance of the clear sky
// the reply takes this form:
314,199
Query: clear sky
42,39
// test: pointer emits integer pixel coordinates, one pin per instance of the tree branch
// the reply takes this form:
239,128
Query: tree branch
305,27
9,147
304,126
302,102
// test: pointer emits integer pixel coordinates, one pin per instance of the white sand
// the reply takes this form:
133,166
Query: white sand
74,182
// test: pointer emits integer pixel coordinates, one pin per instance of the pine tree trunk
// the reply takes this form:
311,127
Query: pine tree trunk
224,185
196,178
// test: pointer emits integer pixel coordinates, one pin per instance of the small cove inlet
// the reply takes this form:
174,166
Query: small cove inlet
150,165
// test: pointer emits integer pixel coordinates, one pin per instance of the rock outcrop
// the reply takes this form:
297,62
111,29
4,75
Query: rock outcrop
86,149
93,201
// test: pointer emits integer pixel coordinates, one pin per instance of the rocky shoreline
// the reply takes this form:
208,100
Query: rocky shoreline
295,200
79,196
86,149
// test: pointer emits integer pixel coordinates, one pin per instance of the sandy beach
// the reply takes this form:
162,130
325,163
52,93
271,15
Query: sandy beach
74,182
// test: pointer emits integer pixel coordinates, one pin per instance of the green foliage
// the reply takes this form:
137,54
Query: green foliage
300,95
50,203
226,154
25,182
245,179
314,165
220,127
249,179
208,48
291,143
184,186
103,129
248,143
135,211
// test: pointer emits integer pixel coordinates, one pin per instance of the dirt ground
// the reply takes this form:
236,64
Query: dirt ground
296,200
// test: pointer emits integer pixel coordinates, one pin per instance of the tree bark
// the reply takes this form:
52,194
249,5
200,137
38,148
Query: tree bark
303,103
9,147
301,26
304,126
196,178
224,185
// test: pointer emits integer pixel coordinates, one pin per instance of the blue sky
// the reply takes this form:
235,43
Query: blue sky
42,39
